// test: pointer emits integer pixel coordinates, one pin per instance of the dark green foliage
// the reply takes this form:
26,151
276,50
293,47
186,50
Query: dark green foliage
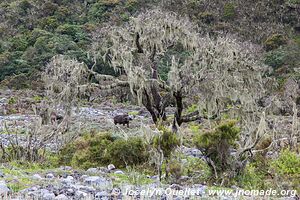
274,41
127,152
207,17
286,56
288,163
24,7
166,142
101,10
293,1
275,58
87,151
217,143
35,31
263,173
19,43
94,150
75,31
229,11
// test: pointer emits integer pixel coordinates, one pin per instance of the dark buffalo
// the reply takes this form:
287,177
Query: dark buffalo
122,119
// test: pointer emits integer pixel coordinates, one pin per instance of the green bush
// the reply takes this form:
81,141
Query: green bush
293,1
286,170
275,58
49,23
216,144
207,17
288,163
127,152
176,169
274,41
24,6
99,11
167,141
252,178
102,149
87,151
131,5
19,43
229,11
74,31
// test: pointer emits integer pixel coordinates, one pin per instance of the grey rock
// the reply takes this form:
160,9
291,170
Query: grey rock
94,180
32,189
102,195
92,170
83,177
70,192
48,196
119,172
111,167
37,177
50,176
201,190
61,197
66,168
80,194
87,189
103,170
3,188
69,180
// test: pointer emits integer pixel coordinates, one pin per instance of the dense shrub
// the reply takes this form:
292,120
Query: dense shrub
229,11
166,142
288,163
19,43
102,149
274,41
252,178
275,58
74,31
127,152
217,143
207,17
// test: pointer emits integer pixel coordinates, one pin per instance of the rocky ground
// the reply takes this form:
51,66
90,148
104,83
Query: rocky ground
95,183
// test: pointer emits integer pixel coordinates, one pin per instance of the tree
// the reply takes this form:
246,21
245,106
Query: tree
221,72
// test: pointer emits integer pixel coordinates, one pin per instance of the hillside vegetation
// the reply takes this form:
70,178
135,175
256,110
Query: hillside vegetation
32,32
104,99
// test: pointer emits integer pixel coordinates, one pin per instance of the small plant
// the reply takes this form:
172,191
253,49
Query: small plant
207,17
192,108
194,127
293,1
86,151
229,11
288,163
102,149
37,98
275,58
286,169
216,145
274,42
129,152
133,113
252,178
12,100
165,144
